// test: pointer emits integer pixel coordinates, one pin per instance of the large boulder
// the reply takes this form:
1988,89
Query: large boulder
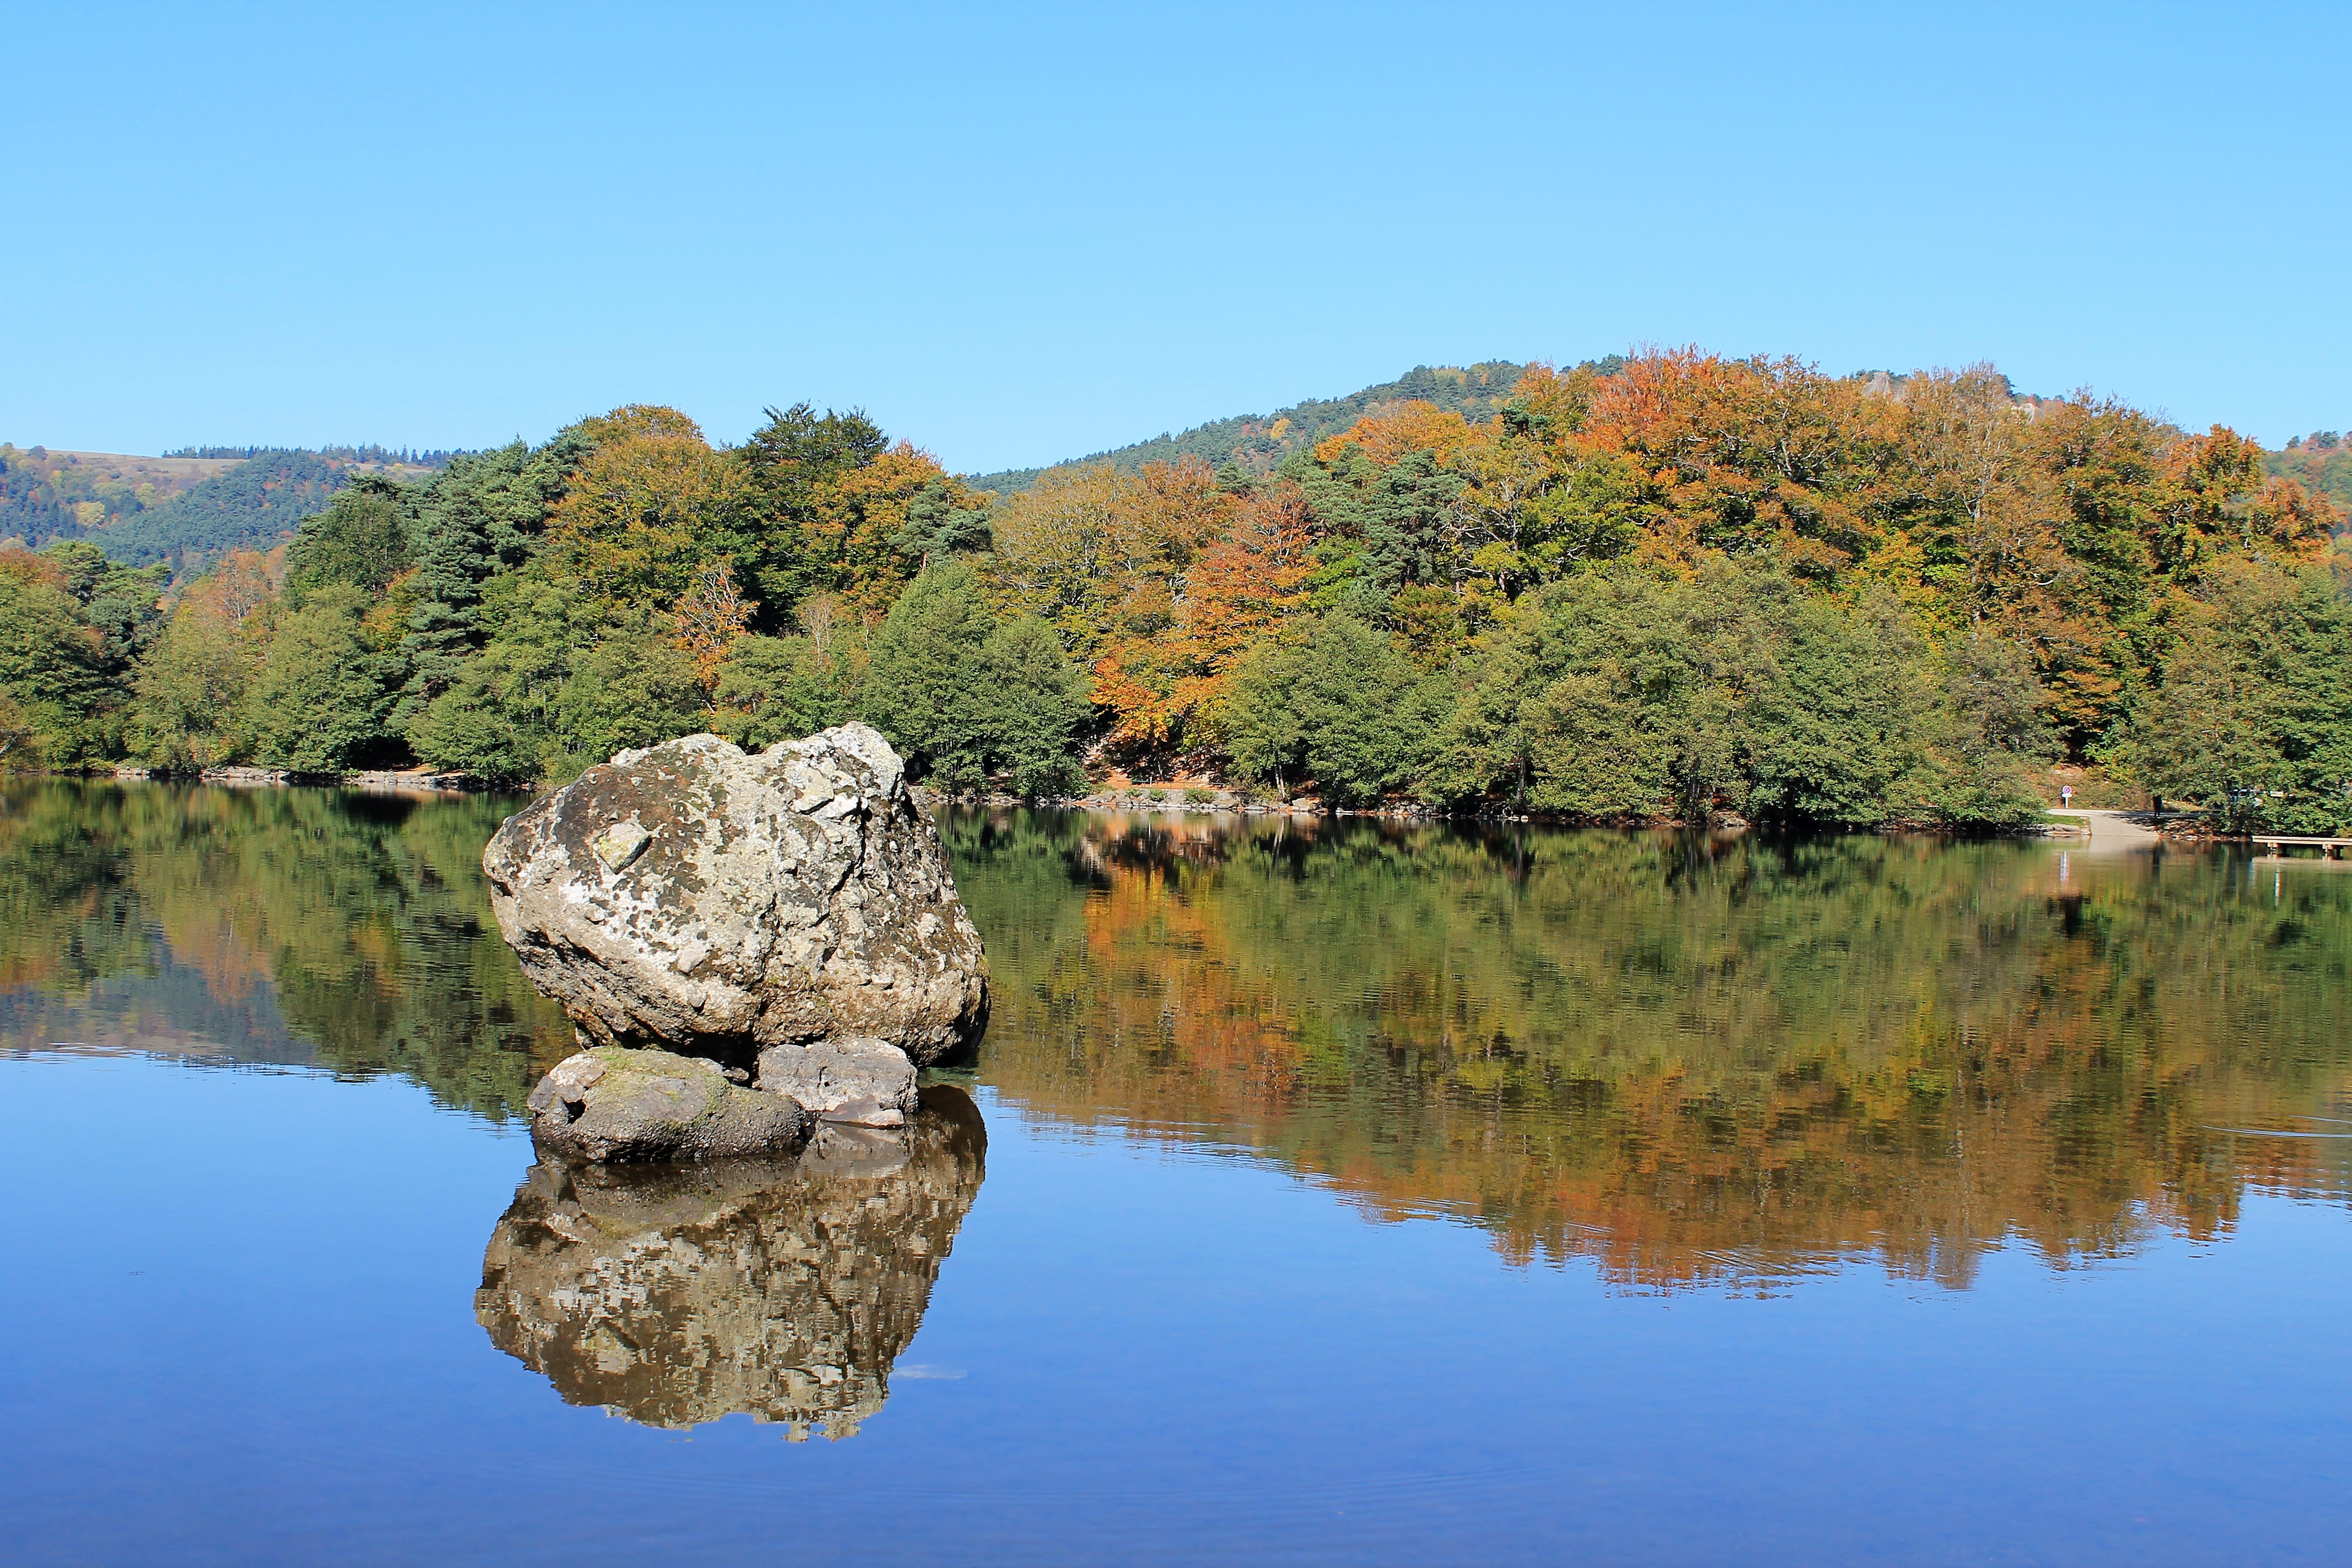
616,1104
695,899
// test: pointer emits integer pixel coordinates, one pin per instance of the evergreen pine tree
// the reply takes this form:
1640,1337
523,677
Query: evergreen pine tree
445,629
479,516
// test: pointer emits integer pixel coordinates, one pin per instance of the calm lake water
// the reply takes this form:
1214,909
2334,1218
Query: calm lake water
1319,1194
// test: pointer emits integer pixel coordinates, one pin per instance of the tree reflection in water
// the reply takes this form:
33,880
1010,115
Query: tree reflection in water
783,1288
1695,1061
314,927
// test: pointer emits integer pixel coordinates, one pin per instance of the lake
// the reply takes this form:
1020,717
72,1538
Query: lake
1322,1191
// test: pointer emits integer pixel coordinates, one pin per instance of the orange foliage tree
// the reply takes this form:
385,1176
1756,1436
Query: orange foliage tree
708,617
1238,591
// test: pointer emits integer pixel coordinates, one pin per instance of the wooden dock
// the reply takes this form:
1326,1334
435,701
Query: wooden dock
2133,830
2279,842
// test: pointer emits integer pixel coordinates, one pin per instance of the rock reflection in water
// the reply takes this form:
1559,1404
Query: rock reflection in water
783,1288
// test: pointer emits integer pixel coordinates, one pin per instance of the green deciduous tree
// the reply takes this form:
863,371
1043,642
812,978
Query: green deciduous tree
189,711
969,701
1031,710
1625,694
563,683
1986,735
781,688
362,540
2251,716
634,686
320,701
1343,708
120,603
53,665
1572,704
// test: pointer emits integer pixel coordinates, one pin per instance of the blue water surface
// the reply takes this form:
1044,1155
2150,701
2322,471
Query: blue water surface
242,1331
1351,1193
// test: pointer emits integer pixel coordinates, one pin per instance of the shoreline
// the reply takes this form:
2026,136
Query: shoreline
1220,802
408,780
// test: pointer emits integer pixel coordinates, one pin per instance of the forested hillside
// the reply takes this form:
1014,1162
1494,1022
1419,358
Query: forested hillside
2321,461
187,507
47,495
1667,588
1257,442
255,503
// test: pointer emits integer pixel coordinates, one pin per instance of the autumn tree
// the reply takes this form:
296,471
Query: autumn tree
836,508
1240,590
708,618
871,527
1099,553
642,507
1747,456
1984,517
2216,499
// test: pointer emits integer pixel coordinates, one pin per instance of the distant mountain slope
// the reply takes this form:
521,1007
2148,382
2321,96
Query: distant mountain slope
187,509
47,494
2322,461
1260,441
253,503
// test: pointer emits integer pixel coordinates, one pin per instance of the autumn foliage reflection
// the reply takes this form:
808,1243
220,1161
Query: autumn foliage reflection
1695,1061
298,927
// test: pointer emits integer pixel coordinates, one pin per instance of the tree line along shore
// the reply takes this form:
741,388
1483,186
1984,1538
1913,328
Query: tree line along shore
1672,587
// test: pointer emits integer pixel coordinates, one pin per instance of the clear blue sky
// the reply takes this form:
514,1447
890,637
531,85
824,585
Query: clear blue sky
1017,234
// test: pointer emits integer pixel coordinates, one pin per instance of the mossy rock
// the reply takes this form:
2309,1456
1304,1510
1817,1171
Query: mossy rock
614,1103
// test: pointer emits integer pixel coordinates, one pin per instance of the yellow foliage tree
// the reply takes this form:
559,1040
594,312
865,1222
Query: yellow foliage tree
640,509
1100,554
1414,427
852,542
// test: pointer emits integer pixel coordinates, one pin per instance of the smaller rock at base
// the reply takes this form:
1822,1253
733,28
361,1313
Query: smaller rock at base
614,1104
861,1081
